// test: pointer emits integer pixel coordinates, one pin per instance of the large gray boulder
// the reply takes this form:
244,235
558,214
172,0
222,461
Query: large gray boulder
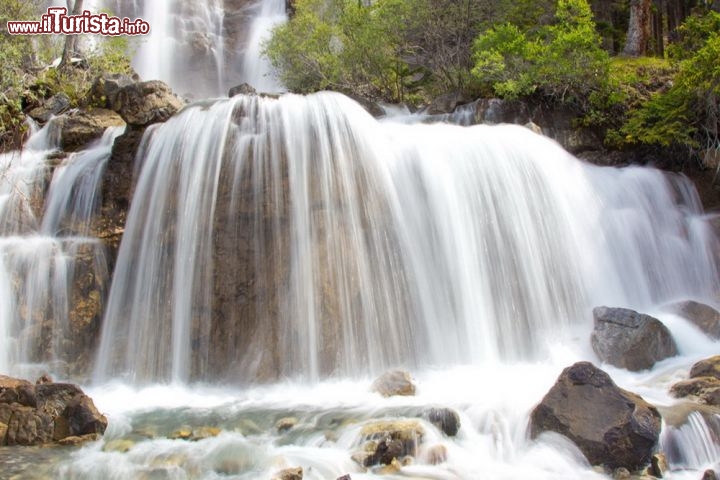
611,426
627,339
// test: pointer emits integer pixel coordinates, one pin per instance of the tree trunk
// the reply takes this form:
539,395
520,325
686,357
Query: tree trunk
70,40
638,29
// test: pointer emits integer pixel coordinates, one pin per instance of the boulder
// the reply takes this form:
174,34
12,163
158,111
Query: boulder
45,413
709,475
705,389
54,105
710,367
628,339
705,317
295,473
286,424
388,441
80,127
143,103
105,88
446,420
611,426
242,89
394,383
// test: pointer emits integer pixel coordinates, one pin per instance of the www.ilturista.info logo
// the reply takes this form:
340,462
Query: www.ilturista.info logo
57,21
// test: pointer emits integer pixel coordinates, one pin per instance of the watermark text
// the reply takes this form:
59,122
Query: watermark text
57,21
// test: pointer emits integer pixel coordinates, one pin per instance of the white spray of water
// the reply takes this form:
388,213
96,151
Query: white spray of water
426,245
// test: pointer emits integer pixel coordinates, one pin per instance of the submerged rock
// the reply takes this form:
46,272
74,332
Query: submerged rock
611,426
445,419
705,317
286,424
295,473
394,383
627,339
45,413
388,441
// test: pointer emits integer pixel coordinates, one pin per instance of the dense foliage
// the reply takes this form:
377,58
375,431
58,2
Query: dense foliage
557,52
27,76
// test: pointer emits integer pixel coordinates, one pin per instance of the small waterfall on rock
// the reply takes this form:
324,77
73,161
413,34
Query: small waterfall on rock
202,48
52,273
298,237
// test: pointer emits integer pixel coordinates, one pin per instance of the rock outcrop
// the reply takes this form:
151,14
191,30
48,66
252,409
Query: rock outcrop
105,88
627,339
140,105
80,127
144,103
54,105
611,426
46,413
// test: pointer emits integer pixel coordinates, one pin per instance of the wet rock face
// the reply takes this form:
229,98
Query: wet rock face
628,339
81,127
45,413
612,427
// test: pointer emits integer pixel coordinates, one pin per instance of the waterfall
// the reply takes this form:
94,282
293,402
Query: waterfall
202,48
298,237
52,271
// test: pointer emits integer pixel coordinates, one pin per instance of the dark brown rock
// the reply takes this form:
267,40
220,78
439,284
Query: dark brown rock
612,427
49,412
628,339
394,383
703,316
144,103
80,127
445,419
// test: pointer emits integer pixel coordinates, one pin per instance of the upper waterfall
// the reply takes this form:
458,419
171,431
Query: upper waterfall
202,48
300,237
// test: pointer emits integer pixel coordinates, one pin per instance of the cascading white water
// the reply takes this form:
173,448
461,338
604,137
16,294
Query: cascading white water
42,254
204,48
256,68
357,246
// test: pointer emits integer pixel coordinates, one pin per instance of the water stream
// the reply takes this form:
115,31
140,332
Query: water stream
279,253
